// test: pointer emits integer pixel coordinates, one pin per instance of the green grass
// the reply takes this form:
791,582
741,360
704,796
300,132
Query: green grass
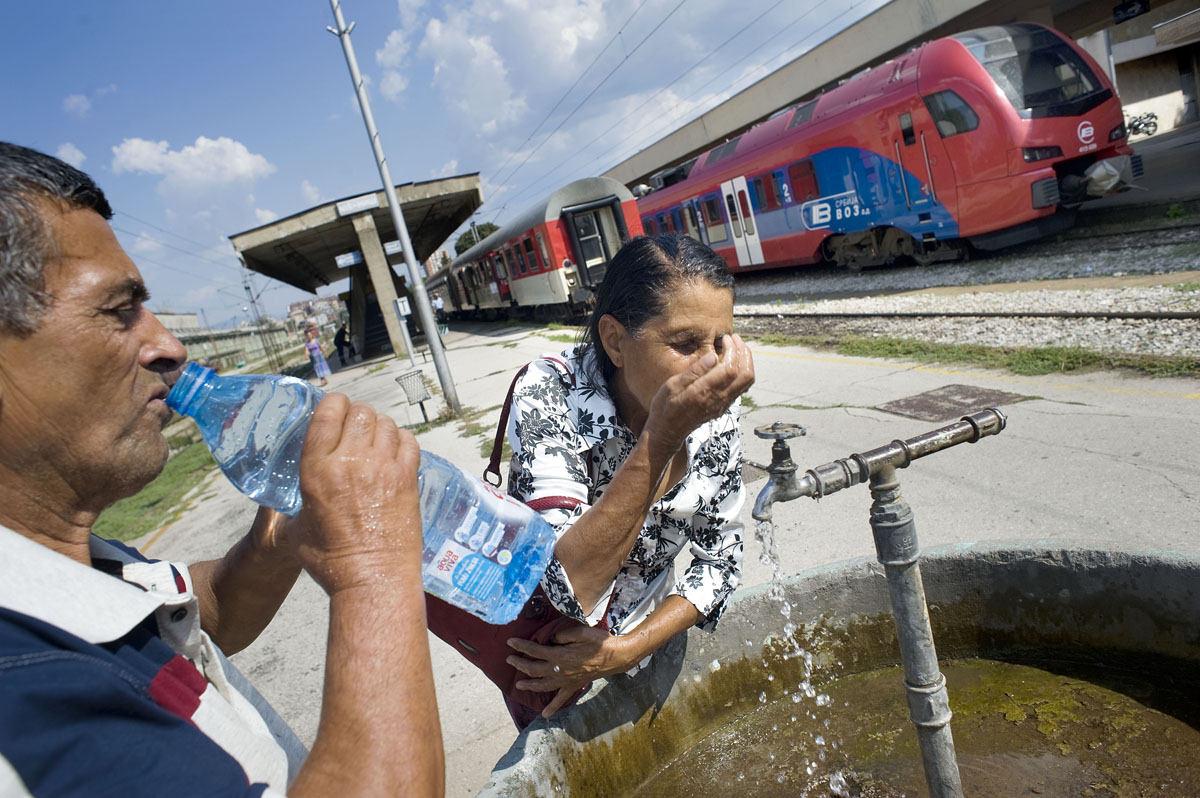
160,502
378,367
1185,288
748,402
1026,362
559,338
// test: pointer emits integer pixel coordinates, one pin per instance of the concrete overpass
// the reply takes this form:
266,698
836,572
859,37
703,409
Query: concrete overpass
354,237
887,32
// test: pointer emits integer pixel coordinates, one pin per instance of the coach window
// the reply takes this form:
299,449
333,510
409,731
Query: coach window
711,209
542,249
803,114
803,181
520,260
951,113
662,223
906,129
689,222
747,214
498,267
649,226
733,216
531,255
677,218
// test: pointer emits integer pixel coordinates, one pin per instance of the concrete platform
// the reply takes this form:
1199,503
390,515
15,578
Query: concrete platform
1103,460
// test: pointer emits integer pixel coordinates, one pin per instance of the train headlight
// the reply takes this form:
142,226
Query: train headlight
1118,132
1032,154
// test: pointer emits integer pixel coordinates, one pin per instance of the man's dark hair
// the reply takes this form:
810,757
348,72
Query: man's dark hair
638,281
28,177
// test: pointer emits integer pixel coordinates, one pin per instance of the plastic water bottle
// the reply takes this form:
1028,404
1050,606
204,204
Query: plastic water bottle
483,550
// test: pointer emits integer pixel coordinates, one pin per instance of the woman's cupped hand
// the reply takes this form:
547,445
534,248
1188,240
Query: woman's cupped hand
701,392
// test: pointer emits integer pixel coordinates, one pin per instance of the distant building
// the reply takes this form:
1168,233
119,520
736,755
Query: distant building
436,261
224,348
323,311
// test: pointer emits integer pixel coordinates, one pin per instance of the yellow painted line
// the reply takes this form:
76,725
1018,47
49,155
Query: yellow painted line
1010,378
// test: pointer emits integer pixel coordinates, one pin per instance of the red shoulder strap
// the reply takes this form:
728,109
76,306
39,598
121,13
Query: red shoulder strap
493,467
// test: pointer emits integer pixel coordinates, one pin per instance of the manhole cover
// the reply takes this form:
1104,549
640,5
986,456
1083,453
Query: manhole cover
950,402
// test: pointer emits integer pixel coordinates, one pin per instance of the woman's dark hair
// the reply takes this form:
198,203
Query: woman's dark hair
640,276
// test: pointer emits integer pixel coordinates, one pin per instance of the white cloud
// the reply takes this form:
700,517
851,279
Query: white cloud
393,85
103,90
77,105
448,168
391,55
145,244
311,194
470,72
206,164
71,154
265,216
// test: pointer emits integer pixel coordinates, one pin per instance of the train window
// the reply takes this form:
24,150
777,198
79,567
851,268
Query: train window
662,223
677,223
803,114
765,196
733,216
747,215
1039,73
803,181
521,267
951,113
711,209
906,129
691,227
542,249
531,255
722,151
649,226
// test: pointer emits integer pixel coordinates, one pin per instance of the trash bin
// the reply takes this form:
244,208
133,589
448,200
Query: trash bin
413,383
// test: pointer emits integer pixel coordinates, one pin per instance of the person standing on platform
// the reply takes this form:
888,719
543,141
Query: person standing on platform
317,357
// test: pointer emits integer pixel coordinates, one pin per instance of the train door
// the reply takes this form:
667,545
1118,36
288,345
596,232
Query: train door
596,230
593,250
501,275
741,219
919,151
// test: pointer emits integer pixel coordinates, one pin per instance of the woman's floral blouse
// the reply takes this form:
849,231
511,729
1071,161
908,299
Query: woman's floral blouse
567,441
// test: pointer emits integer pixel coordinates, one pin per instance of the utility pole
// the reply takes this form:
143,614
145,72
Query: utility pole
424,308
268,344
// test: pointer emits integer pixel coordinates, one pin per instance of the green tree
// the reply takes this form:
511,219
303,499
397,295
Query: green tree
468,239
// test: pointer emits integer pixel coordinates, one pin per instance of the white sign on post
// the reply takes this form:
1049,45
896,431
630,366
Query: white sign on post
356,204
348,259
403,307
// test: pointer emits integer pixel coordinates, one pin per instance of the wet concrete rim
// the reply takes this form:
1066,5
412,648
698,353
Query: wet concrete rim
1015,593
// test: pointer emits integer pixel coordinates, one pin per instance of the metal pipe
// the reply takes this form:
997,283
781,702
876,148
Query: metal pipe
895,535
857,468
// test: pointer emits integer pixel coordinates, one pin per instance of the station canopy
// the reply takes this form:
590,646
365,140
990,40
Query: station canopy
312,248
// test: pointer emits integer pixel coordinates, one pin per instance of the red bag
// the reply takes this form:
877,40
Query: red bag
484,644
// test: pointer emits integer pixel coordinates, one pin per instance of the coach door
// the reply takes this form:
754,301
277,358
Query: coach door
741,220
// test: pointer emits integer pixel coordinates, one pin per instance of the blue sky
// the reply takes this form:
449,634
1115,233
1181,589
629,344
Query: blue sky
201,120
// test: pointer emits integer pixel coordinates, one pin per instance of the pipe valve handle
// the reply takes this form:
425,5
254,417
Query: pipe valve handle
779,431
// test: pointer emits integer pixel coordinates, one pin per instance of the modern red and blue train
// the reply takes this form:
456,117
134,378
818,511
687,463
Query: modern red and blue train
989,137
548,259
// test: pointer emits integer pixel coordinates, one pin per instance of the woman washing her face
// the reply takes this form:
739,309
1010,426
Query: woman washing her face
643,435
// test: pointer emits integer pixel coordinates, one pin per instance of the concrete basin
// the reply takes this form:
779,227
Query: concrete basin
1136,611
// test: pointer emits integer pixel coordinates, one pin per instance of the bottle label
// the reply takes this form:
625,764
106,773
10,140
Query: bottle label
471,573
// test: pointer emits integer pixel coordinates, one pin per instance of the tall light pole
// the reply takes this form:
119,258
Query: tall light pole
424,308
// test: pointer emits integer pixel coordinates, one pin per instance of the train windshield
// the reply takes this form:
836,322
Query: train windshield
1039,73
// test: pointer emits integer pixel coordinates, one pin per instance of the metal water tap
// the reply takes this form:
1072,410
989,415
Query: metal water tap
781,485
894,530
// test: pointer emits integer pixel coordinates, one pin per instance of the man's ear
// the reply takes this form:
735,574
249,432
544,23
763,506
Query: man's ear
612,338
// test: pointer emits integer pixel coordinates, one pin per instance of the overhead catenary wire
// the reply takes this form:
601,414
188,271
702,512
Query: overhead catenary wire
567,93
595,89
670,122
